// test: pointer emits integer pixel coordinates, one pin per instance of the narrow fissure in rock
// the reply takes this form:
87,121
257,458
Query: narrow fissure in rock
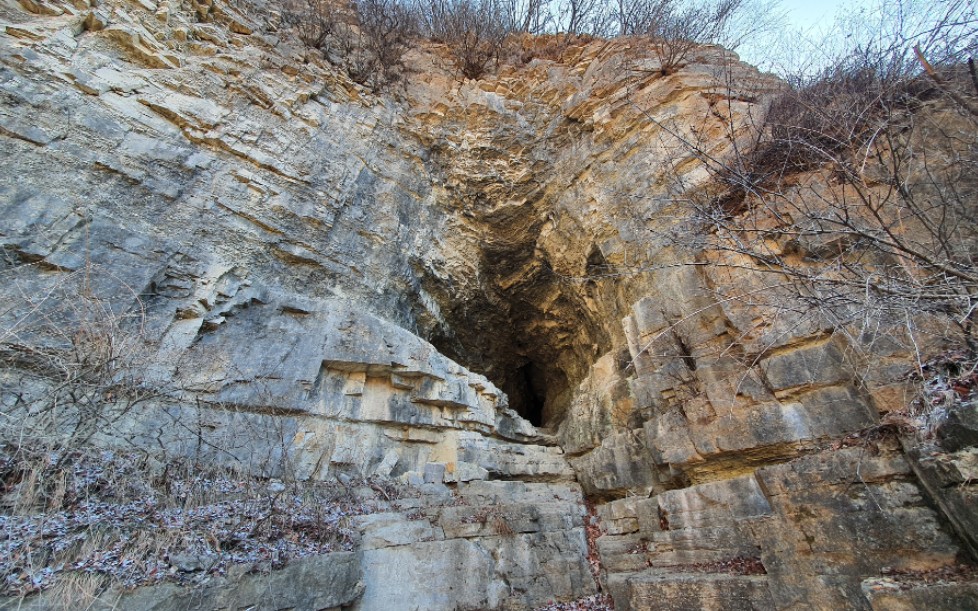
534,334
527,392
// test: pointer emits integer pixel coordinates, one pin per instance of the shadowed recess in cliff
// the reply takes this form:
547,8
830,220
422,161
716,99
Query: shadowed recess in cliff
530,333
527,392
530,374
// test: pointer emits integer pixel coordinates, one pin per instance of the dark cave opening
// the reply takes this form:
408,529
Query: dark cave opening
534,342
536,386
528,330
527,392
596,264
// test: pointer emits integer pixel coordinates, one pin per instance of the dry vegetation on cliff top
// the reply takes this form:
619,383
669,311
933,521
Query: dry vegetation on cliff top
855,204
886,236
857,195
369,38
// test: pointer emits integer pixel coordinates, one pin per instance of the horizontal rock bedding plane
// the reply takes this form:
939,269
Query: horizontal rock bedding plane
274,336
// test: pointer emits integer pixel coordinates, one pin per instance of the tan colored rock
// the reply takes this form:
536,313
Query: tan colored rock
652,590
887,595
829,519
327,282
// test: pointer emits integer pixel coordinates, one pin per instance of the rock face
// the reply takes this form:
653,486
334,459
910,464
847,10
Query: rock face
813,527
472,288
478,545
329,581
500,545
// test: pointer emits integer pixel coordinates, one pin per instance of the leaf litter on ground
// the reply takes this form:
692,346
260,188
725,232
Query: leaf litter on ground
109,514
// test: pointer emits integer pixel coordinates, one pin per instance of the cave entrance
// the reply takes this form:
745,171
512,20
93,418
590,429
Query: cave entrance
537,387
527,392
522,326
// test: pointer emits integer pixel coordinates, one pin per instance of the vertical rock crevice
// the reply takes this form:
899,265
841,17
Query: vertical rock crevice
518,322
527,344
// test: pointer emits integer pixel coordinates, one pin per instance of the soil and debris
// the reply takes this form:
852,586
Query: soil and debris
947,382
593,531
907,580
741,565
595,602
108,514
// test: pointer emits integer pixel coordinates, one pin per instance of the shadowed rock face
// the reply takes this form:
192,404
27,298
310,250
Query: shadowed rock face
313,280
558,181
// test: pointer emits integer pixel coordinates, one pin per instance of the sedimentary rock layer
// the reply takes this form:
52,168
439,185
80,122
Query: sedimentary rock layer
486,291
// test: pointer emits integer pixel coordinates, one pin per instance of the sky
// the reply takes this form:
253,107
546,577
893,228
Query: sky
805,20
805,14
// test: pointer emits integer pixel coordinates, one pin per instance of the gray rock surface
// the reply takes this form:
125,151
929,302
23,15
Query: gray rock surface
278,270
310,584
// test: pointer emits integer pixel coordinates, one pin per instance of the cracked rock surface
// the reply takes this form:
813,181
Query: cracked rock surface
468,288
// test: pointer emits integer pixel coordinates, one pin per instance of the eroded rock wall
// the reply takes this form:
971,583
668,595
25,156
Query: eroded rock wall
249,226
719,423
327,281
263,222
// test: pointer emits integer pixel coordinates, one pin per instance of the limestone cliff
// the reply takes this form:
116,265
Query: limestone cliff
470,288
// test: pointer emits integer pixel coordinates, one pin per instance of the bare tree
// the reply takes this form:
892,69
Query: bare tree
859,197
474,30
528,16
313,22
577,17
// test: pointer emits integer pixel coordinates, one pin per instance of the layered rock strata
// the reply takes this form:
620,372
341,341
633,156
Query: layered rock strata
315,280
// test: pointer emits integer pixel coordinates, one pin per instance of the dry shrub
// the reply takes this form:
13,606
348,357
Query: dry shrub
676,28
315,23
371,39
386,29
78,377
474,31
72,363
833,116
874,76
126,519
857,204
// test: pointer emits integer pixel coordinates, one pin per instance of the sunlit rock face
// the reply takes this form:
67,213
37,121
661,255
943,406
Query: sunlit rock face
485,291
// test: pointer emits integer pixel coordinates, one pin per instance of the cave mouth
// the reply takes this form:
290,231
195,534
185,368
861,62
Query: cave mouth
526,329
535,383
527,391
